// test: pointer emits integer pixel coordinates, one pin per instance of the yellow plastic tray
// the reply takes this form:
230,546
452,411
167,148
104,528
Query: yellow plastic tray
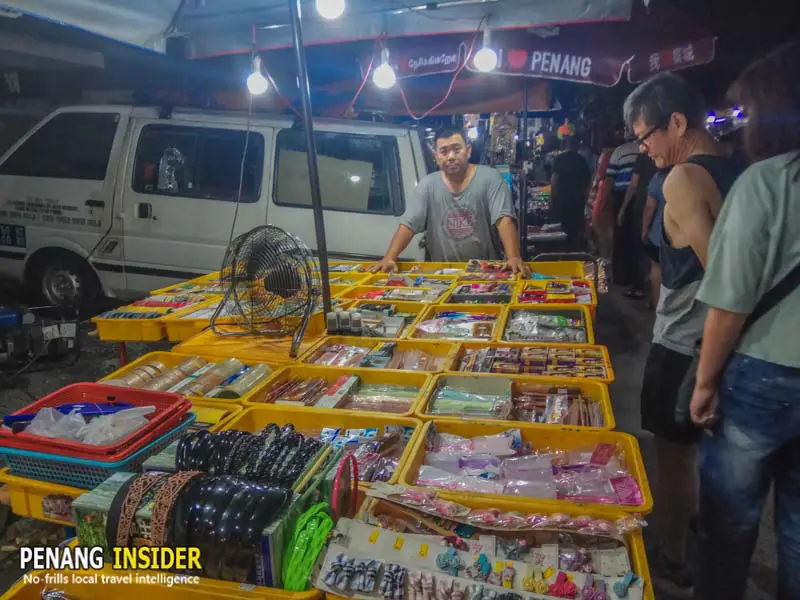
140,330
513,286
252,348
462,348
256,418
634,541
571,310
331,374
412,308
596,391
572,269
541,284
539,438
379,279
173,359
355,293
349,279
206,589
27,497
179,288
442,349
211,412
428,267
489,309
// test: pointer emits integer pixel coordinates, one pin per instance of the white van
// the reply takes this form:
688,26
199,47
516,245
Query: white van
120,200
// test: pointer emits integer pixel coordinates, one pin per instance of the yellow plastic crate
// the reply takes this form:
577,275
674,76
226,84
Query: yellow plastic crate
173,359
338,290
442,349
38,499
411,308
349,279
598,392
206,589
213,416
331,374
379,279
140,330
539,438
564,269
462,348
252,348
572,311
355,293
498,310
256,418
428,267
513,286
541,284
634,541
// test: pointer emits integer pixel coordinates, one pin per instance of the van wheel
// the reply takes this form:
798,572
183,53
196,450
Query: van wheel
64,279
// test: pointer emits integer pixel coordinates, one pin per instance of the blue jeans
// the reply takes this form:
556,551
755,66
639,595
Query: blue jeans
755,443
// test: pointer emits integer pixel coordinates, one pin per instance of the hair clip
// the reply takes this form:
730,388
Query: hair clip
588,592
450,562
507,576
415,585
346,575
489,595
456,592
334,569
563,587
400,583
480,569
427,586
475,592
360,568
621,587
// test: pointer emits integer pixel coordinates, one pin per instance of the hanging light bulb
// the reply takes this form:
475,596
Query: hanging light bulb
485,59
257,84
384,76
330,9
472,133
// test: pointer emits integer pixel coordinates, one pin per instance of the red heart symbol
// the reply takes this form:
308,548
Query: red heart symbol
517,58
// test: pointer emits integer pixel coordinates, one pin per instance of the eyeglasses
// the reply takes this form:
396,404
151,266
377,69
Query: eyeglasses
640,141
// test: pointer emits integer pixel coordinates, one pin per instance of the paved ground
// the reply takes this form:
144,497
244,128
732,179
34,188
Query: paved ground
623,325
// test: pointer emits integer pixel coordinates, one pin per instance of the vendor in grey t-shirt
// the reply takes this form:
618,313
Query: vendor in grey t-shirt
464,209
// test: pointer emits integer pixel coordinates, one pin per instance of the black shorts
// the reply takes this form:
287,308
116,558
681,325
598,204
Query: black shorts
651,251
663,374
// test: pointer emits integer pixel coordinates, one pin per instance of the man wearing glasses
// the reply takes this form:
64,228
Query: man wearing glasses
465,210
668,117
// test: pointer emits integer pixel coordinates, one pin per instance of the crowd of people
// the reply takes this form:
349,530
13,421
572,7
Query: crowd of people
723,229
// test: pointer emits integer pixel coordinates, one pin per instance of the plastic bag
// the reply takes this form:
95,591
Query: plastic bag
109,429
50,422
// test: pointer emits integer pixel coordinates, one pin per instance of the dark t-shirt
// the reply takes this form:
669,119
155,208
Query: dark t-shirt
645,168
570,193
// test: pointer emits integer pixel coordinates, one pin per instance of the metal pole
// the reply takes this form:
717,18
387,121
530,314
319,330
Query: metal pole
311,151
523,177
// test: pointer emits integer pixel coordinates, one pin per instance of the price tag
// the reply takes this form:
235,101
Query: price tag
373,537
423,550
50,332
398,542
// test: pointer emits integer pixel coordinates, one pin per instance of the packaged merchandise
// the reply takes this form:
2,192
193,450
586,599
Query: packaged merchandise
369,320
532,326
536,360
595,474
457,325
481,293
404,294
557,292
346,392
380,356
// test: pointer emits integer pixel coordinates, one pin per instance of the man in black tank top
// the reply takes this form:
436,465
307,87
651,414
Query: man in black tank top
668,117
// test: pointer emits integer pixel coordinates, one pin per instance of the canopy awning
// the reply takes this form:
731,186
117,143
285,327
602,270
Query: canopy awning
215,27
656,39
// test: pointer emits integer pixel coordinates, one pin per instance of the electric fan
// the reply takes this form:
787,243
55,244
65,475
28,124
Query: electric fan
272,286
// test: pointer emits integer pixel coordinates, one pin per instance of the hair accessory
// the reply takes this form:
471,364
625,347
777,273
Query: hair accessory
371,577
563,587
400,583
450,562
475,592
456,542
427,587
601,591
495,577
508,574
489,595
334,569
480,569
345,576
415,586
621,587
360,574
456,593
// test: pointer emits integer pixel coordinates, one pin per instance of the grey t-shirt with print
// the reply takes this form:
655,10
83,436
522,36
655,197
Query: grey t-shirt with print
461,226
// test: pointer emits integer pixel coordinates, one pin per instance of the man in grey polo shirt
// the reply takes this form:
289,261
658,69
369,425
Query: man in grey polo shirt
465,210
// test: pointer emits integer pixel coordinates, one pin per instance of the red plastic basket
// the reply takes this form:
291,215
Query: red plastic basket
170,409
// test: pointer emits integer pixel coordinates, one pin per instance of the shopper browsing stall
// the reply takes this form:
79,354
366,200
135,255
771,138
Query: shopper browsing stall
465,210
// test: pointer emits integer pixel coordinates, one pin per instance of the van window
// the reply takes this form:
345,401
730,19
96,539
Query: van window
358,173
197,162
68,146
